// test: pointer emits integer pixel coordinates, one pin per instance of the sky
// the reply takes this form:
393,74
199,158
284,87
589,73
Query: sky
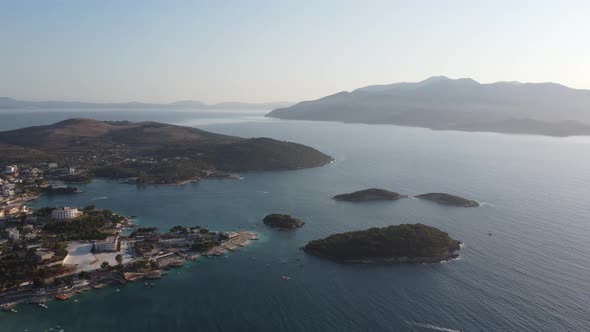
276,50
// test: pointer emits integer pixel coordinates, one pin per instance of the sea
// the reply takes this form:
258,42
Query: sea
525,264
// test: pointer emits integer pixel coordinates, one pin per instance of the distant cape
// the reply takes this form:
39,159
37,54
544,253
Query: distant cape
464,104
10,103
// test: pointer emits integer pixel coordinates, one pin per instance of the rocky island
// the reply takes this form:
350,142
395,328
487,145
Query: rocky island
406,243
448,199
76,150
372,194
282,222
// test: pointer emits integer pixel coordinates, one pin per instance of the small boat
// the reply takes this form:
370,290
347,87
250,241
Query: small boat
8,308
62,297
42,305
285,278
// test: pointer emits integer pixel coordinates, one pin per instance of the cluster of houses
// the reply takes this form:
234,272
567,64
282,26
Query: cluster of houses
16,184
21,183
18,225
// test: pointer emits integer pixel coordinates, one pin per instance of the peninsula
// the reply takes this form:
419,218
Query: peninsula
406,243
442,103
59,252
448,199
146,152
282,222
372,194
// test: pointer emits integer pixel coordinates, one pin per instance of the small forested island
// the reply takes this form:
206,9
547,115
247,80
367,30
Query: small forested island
282,221
448,199
406,243
372,194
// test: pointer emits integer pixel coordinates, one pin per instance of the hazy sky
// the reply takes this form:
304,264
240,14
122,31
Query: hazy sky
161,51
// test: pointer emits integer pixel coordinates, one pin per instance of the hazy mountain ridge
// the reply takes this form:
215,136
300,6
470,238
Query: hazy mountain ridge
6,102
456,104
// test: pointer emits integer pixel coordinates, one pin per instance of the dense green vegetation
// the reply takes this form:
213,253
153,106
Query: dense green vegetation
59,190
86,227
406,240
76,178
143,231
179,229
202,245
58,247
448,199
282,221
143,247
115,172
372,194
154,152
15,269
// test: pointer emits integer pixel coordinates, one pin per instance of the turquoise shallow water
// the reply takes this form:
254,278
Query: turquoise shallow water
531,275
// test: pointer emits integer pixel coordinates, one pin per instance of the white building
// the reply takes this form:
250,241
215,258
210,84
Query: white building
65,212
8,186
13,234
44,254
30,236
109,244
10,169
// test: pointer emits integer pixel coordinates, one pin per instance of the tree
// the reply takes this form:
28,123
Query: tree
178,229
105,265
203,230
202,246
38,283
119,259
68,280
84,275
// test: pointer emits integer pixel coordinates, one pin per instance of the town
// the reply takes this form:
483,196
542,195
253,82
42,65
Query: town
56,252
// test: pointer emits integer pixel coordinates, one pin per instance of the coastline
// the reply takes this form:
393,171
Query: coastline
103,278
445,257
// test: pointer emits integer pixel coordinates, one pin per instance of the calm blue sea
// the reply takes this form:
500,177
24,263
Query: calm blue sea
532,274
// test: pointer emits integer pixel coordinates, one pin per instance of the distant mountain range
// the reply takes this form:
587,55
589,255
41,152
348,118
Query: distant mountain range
462,104
10,103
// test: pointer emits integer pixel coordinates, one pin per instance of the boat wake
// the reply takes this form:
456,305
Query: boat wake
432,327
97,198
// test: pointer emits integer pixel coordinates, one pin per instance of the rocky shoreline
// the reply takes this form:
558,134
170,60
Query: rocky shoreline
448,256
448,199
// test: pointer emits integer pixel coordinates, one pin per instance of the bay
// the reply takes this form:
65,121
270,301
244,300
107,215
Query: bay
532,274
